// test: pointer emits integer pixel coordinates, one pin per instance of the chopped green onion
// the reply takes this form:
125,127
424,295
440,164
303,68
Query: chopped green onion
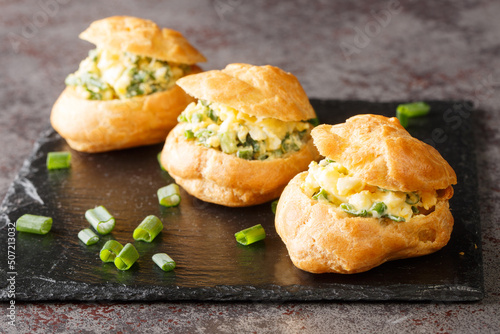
395,218
346,207
148,229
415,210
158,157
412,198
58,160
189,134
322,193
245,152
250,235
127,257
409,110
379,208
403,119
100,219
169,195
164,261
88,237
110,251
313,121
34,224
274,205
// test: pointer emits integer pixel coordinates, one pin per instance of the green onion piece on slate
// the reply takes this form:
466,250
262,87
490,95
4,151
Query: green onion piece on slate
100,219
409,110
169,195
88,237
110,250
58,160
148,229
164,261
274,205
158,157
127,257
403,119
34,224
250,235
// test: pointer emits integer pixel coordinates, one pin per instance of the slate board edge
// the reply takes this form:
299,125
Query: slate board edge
268,293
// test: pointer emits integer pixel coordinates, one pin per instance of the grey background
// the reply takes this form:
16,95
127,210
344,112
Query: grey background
369,50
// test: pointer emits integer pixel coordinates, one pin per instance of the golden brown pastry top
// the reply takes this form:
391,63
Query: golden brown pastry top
382,153
141,37
261,91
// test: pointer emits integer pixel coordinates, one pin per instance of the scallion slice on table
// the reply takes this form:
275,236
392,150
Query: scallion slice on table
110,251
148,229
164,261
158,157
88,237
409,110
169,195
127,257
102,221
274,205
250,235
58,160
34,224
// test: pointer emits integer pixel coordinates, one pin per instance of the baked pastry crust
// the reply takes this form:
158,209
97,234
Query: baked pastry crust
216,177
98,126
321,238
261,91
379,151
104,125
141,37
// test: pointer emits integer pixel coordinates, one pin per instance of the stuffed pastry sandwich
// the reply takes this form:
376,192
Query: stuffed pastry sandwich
124,93
244,139
378,195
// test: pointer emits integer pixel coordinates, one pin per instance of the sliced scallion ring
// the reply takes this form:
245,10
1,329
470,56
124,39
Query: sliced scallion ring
110,251
158,157
127,257
250,235
396,218
88,237
348,208
164,261
410,110
34,224
274,205
320,194
148,229
378,209
412,198
169,195
58,160
100,219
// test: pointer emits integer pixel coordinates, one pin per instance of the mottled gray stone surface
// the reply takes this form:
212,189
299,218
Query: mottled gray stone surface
369,50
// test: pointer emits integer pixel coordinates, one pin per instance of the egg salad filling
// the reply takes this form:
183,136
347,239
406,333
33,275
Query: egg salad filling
233,132
108,75
330,182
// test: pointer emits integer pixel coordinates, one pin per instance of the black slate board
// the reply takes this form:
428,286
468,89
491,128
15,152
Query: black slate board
200,236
